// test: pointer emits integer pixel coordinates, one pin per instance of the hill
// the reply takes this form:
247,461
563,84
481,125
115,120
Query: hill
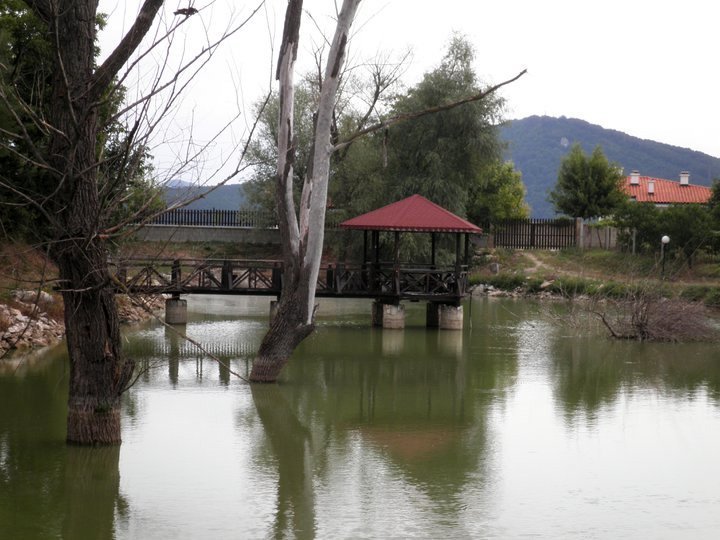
537,145
227,197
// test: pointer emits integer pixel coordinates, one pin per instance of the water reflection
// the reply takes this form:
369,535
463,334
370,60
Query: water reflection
591,373
49,489
510,428
291,445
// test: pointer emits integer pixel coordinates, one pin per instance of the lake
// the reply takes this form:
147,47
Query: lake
514,427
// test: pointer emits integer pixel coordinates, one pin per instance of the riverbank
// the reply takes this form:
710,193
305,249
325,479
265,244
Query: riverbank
595,273
31,313
32,322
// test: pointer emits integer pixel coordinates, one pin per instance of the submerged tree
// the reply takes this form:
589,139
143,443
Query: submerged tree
302,233
84,181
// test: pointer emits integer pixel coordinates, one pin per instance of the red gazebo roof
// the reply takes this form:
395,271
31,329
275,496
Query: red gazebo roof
414,214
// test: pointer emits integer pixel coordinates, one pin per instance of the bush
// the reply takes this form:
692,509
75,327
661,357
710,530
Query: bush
574,286
614,289
695,293
506,282
712,298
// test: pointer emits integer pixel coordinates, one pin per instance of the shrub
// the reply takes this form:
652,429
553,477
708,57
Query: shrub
574,286
614,289
650,317
712,299
506,282
695,293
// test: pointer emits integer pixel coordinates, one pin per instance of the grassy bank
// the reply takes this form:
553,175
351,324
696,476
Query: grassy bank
598,274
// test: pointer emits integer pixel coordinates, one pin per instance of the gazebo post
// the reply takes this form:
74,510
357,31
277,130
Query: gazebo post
457,258
365,247
467,249
396,263
376,246
432,249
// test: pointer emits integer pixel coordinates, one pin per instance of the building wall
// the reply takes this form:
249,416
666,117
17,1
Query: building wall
171,233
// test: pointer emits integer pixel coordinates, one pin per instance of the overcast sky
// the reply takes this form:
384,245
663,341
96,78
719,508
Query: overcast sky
647,68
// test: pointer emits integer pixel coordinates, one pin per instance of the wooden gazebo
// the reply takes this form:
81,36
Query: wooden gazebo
415,281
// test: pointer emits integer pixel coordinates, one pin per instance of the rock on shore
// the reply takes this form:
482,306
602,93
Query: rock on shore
23,325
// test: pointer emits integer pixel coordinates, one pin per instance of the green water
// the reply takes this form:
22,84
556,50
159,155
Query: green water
512,428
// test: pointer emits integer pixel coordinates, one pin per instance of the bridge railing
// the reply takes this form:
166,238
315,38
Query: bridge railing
176,276
218,276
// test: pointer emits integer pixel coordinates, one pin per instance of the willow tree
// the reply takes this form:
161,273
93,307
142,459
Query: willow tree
67,156
302,230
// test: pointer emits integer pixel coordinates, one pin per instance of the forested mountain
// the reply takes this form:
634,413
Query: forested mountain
227,197
537,145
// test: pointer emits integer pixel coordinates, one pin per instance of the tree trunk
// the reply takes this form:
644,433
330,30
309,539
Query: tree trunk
302,239
287,330
98,372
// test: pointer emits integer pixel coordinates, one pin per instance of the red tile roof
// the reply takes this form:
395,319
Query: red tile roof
666,191
415,214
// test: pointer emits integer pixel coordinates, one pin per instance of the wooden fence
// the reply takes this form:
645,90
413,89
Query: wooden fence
533,233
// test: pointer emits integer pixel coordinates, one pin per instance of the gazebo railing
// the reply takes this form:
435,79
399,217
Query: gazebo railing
388,279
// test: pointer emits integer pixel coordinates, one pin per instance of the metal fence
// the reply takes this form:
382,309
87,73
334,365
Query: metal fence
246,219
216,218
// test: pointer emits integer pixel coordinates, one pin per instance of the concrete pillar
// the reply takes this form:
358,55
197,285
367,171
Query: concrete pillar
451,317
377,313
432,315
176,311
388,315
273,309
393,316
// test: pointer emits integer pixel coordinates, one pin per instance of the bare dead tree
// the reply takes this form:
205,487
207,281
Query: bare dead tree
302,235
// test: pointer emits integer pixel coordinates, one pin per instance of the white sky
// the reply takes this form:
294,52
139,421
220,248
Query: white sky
643,67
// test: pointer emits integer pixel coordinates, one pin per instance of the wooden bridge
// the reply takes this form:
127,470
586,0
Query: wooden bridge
388,282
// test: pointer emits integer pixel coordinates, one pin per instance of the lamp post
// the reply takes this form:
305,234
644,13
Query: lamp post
663,242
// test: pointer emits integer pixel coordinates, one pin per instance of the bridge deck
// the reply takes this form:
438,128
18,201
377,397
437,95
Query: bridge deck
261,277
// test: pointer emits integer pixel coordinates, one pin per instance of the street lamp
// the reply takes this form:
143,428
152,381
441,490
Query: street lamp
663,241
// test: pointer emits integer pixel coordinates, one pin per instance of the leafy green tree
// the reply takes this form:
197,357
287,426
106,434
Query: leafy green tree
451,157
25,60
690,228
443,156
124,170
587,186
642,221
500,196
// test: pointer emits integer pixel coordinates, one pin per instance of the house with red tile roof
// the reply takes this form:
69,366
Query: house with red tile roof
663,192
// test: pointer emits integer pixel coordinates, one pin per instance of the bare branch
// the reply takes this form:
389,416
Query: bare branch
432,110
105,73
